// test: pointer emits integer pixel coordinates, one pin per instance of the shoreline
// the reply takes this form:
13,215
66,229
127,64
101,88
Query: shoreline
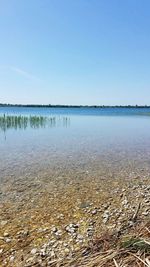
51,226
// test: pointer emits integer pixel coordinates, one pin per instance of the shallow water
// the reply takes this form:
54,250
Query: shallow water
58,165
74,138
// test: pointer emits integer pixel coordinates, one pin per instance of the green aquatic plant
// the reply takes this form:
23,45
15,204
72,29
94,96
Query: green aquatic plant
22,122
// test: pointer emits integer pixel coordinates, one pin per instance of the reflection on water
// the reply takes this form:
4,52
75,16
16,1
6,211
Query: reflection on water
22,122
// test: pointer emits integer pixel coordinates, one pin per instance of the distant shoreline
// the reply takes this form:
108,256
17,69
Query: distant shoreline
71,106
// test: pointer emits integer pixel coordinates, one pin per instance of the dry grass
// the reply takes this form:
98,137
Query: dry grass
129,249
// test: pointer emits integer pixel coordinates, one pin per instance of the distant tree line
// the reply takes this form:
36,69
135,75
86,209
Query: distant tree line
71,106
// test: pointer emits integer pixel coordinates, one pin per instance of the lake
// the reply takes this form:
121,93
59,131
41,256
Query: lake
67,175
72,137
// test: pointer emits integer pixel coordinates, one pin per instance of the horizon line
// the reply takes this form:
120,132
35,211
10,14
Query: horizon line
70,105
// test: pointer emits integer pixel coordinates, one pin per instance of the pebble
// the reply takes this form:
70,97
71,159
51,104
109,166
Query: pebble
43,252
12,258
3,223
79,237
66,250
60,216
106,216
124,202
33,251
54,229
6,234
94,212
8,240
71,228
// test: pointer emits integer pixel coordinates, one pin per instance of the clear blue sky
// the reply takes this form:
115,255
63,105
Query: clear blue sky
75,51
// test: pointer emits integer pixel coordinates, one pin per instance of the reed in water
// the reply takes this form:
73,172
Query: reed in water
22,122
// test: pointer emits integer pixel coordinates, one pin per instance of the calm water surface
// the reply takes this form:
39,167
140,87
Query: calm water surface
72,138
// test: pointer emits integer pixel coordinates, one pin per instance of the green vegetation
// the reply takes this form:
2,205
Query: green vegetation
22,122
136,243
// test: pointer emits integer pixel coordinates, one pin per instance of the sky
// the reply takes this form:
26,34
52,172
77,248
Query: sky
89,52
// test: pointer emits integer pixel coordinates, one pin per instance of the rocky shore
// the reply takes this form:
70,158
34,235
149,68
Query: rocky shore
51,227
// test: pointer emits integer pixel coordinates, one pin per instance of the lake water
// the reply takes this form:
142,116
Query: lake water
64,166
108,139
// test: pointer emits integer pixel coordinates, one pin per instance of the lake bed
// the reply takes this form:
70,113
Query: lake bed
81,169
